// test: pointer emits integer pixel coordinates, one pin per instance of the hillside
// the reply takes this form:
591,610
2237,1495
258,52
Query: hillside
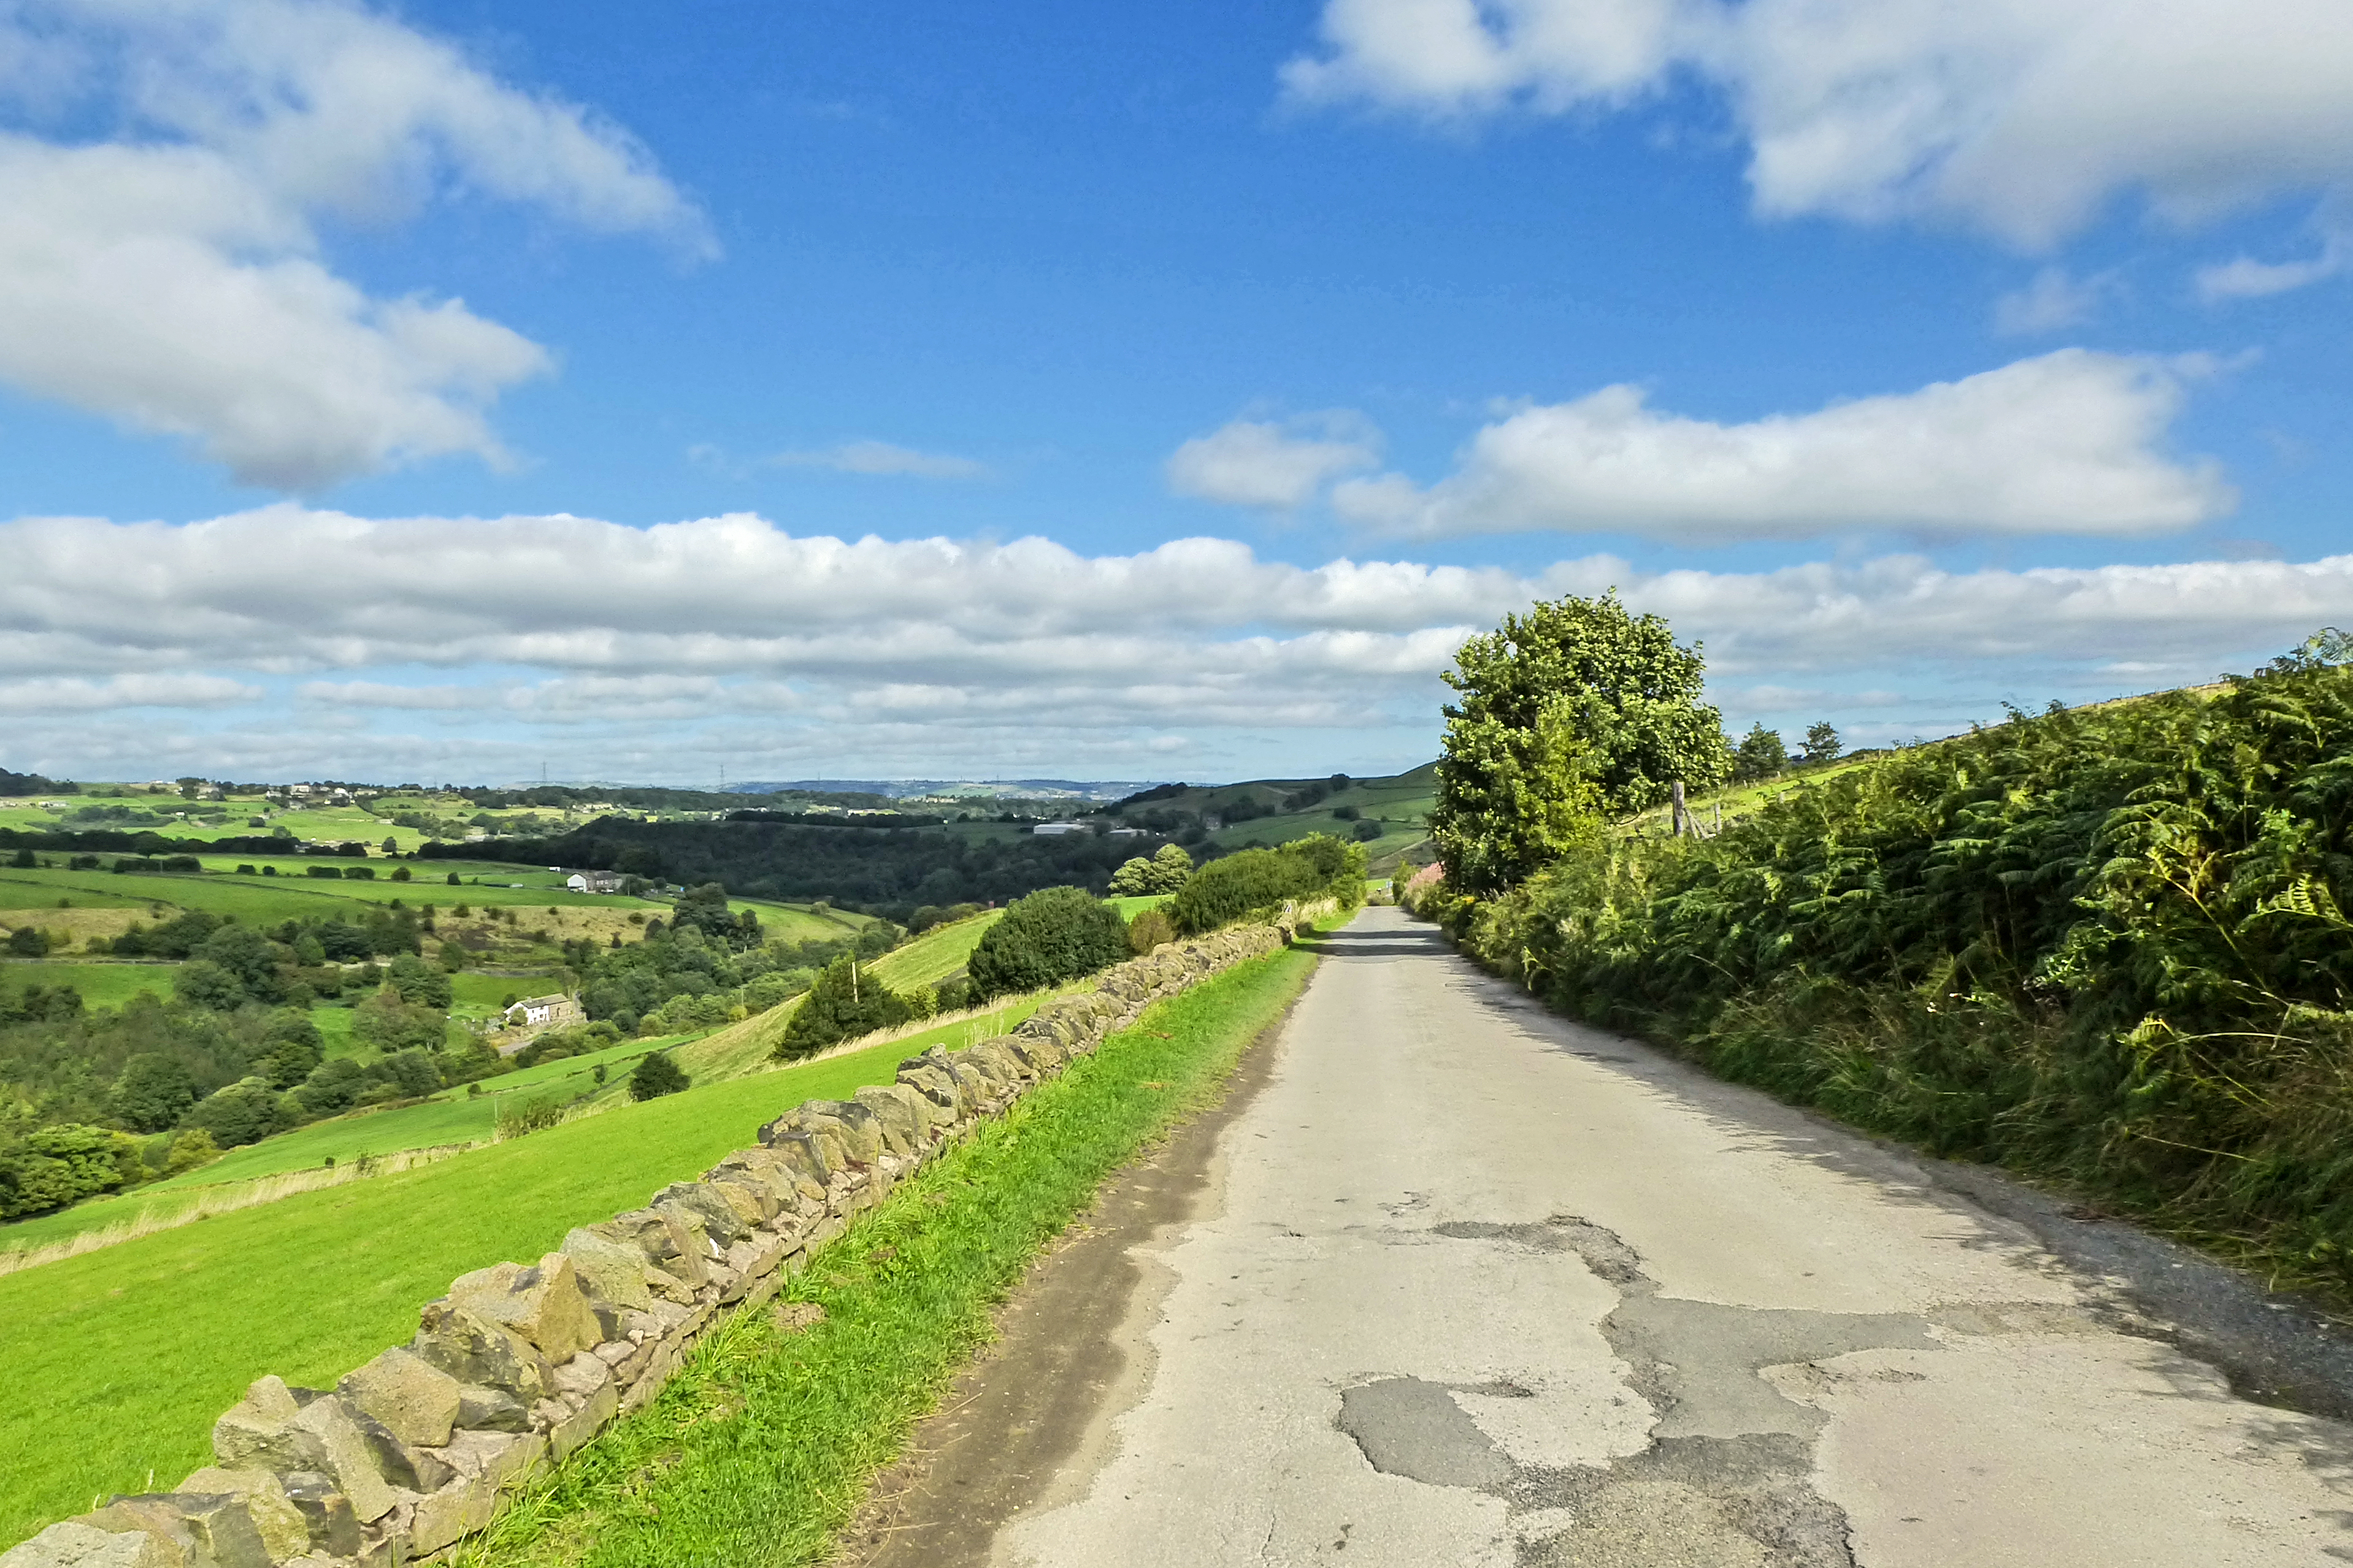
1275,811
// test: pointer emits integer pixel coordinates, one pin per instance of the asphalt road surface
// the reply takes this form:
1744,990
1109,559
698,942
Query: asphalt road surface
1455,1282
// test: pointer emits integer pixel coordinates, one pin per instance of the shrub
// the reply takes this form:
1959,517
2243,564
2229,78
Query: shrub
28,942
1254,881
656,1076
54,1166
244,1112
844,1004
188,1151
1051,935
518,1116
1150,928
391,1024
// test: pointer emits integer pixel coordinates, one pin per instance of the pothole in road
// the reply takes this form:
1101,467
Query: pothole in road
1726,1481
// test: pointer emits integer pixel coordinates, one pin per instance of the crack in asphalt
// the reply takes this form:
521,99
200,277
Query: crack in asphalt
1726,1476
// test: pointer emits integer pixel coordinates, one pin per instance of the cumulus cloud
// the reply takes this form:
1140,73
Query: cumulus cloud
2024,117
485,644
1279,464
171,278
2067,443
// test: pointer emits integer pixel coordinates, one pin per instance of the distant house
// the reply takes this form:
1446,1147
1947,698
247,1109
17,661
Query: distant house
533,1014
593,882
298,789
1055,830
1128,833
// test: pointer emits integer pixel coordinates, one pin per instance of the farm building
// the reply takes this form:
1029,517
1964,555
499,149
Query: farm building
593,882
1052,829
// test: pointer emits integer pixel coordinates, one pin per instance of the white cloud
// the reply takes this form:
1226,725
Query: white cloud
2244,278
2022,117
484,644
2067,443
1277,465
71,694
171,278
2052,300
882,458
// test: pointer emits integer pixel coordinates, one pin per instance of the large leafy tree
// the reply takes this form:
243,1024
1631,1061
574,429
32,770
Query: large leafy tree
1575,709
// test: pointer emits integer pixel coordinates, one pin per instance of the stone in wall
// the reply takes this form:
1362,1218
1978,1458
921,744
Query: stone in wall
518,1365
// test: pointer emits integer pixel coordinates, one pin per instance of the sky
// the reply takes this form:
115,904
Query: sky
462,392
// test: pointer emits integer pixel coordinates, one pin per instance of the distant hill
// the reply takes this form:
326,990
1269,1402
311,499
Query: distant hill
905,789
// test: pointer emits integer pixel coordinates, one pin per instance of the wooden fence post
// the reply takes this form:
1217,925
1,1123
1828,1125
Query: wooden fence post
1679,813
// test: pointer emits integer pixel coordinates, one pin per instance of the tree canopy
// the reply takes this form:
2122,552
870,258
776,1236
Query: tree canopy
1577,708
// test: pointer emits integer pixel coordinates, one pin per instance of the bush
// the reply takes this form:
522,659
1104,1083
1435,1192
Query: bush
391,1024
844,1004
518,1116
1257,881
28,942
188,1151
54,1166
244,1112
1150,928
1050,936
656,1076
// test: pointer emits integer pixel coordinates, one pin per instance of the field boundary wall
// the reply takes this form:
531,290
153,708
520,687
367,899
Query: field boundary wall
519,1365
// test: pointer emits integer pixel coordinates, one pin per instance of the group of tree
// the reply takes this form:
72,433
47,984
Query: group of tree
17,786
1162,871
162,1085
891,871
706,967
1761,754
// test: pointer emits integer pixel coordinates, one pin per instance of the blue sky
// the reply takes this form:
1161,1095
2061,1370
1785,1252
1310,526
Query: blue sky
1138,392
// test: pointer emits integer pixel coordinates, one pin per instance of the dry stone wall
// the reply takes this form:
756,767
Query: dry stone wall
519,1364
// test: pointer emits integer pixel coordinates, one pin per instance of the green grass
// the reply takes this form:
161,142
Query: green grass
121,1359
934,955
100,984
759,1450
25,890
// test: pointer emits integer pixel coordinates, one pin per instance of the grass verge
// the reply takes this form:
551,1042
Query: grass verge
761,1448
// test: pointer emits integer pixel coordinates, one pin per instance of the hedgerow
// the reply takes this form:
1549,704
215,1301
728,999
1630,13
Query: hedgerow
2107,945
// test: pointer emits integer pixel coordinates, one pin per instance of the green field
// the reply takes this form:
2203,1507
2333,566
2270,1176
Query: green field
178,1322
933,956
100,984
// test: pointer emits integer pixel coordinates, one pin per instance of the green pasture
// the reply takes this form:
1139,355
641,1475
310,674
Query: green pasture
172,1327
100,984
933,956
451,1117
26,889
